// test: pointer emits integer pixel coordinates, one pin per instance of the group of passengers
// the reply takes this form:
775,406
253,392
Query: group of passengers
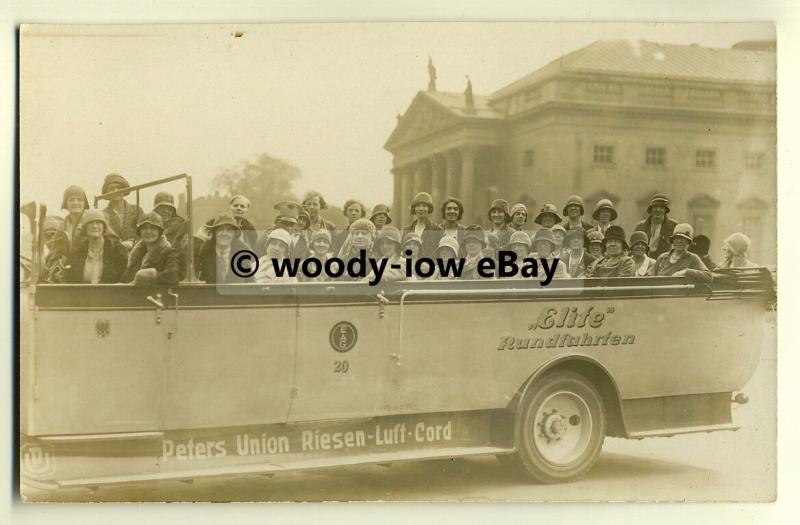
122,243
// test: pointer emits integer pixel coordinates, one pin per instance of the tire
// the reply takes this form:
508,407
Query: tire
560,428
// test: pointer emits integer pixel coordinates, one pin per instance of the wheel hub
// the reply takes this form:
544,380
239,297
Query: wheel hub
553,426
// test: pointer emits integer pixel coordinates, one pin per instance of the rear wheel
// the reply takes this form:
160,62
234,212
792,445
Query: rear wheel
560,429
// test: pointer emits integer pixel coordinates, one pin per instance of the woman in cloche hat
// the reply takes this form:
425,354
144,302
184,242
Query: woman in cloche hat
734,251
500,219
68,235
214,261
123,218
577,259
423,225
98,257
605,214
543,247
277,248
614,263
679,261
153,261
640,245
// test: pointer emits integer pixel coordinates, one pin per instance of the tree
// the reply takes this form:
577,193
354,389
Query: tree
266,181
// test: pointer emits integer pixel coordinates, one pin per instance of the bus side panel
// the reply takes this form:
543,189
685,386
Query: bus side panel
230,366
97,371
651,347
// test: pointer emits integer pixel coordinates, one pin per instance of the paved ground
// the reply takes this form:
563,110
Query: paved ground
723,466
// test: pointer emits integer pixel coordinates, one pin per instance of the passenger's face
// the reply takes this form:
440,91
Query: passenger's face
149,233
415,249
548,220
165,211
353,213
558,235
302,223
225,235
361,239
75,204
94,229
614,247
726,251
388,248
573,211
445,254
239,208
658,212
421,210
473,247
638,249
520,249
544,248
604,215
576,243
289,226
518,219
276,249
379,220
312,206
596,249
680,244
497,217
321,246
451,211
114,186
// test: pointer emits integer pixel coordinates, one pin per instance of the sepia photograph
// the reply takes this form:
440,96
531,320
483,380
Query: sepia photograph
417,261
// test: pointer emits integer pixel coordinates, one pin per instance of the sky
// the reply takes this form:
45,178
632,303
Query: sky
154,101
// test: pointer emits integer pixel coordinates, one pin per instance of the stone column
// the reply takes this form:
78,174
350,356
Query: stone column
397,194
422,176
467,190
452,160
438,182
407,194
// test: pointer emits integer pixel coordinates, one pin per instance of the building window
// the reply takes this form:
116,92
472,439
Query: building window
603,154
655,156
705,158
527,158
754,160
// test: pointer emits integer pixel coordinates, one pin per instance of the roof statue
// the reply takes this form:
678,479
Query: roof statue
469,99
431,75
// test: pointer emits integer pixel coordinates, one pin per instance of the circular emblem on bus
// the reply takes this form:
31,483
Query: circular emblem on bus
343,336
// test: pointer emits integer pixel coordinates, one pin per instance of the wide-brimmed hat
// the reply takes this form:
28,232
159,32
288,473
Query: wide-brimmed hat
74,191
475,232
548,209
604,204
658,198
378,209
458,203
389,233
520,237
152,219
225,219
287,211
163,198
544,235
615,232
594,236
281,235
321,233
112,178
502,205
350,202
363,224
560,228
519,207
683,230
448,242
422,198
94,216
640,236
574,199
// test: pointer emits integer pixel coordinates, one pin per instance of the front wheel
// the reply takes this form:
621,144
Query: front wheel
560,428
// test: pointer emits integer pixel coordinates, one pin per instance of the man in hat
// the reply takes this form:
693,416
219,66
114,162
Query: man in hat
452,210
594,243
423,225
123,218
658,226
605,214
679,261
98,257
153,261
277,248
577,258
573,211
639,248
313,203
548,216
214,260
500,218
380,216
614,263
286,218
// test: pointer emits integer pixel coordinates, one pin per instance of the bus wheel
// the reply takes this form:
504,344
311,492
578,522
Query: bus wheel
561,428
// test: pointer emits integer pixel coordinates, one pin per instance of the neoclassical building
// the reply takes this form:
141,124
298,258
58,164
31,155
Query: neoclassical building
615,119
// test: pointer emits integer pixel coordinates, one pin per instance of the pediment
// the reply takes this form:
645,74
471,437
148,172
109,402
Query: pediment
704,200
422,118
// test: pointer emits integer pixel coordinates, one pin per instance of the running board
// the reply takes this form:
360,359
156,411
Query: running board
272,468
668,432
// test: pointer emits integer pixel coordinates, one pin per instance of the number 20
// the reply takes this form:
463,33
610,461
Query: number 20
341,367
